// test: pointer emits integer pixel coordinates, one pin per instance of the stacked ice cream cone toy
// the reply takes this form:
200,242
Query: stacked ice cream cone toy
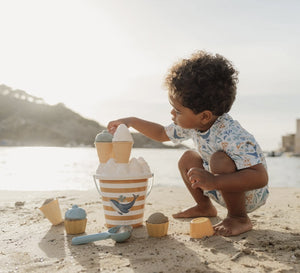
103,143
122,181
117,146
122,142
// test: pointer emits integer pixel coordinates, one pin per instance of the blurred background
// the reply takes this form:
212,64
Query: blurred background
107,59
68,67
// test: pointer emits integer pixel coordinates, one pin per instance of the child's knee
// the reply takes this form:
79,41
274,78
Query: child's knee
220,162
189,159
184,159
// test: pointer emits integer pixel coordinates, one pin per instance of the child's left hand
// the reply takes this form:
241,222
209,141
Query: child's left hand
201,178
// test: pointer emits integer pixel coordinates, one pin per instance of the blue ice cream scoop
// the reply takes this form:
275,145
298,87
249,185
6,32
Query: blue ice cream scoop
119,234
104,136
75,213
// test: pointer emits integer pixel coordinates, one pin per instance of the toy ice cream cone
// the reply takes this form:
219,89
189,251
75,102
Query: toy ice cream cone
200,227
103,143
52,212
75,226
157,230
157,225
104,151
75,220
122,151
122,144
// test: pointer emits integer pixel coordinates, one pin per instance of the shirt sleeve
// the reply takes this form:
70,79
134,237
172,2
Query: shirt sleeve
244,154
177,134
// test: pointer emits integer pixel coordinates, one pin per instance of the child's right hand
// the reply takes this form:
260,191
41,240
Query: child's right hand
201,178
113,125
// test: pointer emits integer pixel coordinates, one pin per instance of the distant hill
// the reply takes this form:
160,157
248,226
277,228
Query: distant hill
26,120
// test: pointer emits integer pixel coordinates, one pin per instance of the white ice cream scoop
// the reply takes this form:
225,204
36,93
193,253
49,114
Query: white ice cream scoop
122,134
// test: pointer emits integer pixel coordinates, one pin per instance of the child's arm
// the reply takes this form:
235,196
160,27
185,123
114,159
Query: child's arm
251,178
150,129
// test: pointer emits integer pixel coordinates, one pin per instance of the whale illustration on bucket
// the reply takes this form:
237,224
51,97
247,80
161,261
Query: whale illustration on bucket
124,199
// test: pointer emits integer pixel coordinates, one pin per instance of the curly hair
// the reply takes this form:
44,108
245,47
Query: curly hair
203,82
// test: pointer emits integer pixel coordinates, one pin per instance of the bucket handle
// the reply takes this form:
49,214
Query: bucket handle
97,187
148,189
151,181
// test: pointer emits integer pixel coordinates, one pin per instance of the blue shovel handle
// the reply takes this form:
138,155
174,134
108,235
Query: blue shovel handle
90,238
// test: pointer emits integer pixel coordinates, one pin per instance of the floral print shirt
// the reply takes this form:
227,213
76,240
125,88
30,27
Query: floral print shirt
225,135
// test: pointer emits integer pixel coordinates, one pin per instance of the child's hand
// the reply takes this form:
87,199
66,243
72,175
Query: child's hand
113,125
201,178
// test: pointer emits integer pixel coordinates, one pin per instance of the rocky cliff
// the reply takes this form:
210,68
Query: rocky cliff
26,120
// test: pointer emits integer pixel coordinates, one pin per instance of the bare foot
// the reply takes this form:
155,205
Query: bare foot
232,226
197,211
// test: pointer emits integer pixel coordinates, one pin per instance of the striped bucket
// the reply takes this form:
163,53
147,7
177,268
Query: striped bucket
123,200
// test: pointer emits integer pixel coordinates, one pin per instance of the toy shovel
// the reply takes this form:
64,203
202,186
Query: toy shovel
118,234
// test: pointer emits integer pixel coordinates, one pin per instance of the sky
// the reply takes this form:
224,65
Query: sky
108,59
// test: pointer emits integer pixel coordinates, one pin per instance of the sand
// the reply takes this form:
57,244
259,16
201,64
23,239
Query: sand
29,243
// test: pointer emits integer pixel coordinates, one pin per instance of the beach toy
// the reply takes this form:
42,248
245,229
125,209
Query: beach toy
157,225
75,220
122,142
200,227
51,211
103,143
118,234
123,189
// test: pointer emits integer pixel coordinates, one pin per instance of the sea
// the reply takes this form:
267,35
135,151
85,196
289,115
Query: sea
59,168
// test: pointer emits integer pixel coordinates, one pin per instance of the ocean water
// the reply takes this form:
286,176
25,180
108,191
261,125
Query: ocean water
56,168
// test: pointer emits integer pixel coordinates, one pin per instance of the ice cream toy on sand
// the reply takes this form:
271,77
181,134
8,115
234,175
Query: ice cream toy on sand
103,143
157,225
200,227
51,211
75,220
119,234
122,142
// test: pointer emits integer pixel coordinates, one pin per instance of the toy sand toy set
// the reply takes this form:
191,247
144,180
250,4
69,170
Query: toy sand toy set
123,184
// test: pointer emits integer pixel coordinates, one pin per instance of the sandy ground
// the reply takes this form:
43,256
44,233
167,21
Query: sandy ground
29,243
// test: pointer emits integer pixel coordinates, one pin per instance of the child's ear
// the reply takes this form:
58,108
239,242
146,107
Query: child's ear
206,116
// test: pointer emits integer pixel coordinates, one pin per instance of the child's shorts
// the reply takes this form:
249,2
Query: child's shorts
254,198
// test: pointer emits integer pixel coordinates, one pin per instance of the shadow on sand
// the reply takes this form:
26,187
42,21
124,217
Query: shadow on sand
53,242
140,253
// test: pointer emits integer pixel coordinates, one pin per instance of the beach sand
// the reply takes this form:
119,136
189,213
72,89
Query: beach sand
29,243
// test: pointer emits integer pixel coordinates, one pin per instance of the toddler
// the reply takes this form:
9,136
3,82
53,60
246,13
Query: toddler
227,166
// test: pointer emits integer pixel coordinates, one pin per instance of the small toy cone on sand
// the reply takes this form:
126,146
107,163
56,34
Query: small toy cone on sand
75,226
157,225
103,143
52,212
122,144
75,220
200,227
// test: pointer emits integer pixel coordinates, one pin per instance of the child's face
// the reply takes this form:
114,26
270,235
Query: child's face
183,116
186,118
